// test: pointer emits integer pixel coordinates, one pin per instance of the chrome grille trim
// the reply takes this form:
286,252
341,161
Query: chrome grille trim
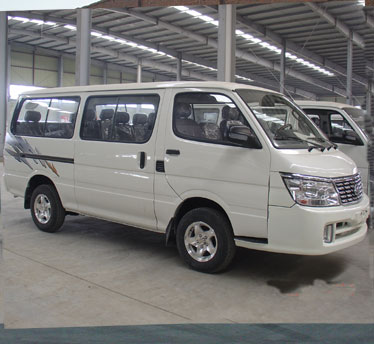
349,189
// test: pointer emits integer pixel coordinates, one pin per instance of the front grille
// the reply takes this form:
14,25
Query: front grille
349,188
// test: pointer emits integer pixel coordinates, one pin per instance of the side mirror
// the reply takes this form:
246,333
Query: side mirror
243,135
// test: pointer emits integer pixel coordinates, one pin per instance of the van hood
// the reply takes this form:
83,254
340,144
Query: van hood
329,164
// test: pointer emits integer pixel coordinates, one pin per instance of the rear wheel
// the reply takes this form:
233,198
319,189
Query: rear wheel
46,209
205,240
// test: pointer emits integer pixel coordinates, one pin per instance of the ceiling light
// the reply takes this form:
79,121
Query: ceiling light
24,20
70,27
193,13
96,34
37,21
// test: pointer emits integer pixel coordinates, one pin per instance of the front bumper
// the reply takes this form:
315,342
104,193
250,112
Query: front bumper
299,230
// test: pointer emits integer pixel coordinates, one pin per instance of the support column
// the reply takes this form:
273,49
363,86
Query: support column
3,77
349,69
179,67
226,42
60,71
105,74
369,99
283,68
83,49
139,71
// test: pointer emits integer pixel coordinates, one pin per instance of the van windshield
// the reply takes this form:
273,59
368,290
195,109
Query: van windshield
285,125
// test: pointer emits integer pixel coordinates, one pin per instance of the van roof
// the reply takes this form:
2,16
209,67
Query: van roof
146,86
303,103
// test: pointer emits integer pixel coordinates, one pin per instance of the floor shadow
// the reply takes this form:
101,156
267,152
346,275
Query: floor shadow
285,272
289,272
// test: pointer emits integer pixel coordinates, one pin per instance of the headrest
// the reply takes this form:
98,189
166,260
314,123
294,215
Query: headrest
32,116
151,117
229,113
72,117
90,115
182,110
106,114
139,118
268,100
122,117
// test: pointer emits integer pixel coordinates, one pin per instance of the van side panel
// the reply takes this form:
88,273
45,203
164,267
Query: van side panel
26,156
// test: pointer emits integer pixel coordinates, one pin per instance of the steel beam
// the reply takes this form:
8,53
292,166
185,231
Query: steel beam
349,99
60,71
174,53
226,43
238,52
105,74
260,29
369,20
3,77
139,71
83,50
337,23
283,68
258,79
297,49
95,62
179,67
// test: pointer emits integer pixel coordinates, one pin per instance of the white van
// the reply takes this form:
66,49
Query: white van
344,125
214,165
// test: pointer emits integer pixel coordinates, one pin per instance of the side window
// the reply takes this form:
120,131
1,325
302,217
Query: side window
31,118
320,119
341,131
50,117
61,117
316,120
98,117
120,119
205,117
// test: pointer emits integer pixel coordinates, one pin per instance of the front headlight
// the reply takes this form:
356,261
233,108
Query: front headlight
311,191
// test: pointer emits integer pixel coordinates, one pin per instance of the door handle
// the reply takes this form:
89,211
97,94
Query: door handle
142,160
173,151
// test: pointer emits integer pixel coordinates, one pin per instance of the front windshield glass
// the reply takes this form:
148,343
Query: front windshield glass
285,125
358,116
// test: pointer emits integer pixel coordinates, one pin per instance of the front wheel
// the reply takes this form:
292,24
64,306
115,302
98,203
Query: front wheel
205,240
46,209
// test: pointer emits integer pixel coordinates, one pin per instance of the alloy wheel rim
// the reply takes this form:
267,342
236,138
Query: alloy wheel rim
42,209
200,241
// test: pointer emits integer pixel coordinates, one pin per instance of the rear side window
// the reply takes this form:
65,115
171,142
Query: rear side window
50,117
120,119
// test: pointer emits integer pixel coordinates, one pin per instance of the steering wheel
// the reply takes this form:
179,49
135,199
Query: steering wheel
283,127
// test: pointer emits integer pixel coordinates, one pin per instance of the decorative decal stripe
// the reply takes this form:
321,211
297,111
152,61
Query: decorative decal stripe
46,157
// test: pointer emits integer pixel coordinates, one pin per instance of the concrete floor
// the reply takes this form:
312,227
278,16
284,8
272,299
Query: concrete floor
96,273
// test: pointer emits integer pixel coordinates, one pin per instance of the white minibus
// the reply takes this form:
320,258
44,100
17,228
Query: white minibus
213,165
344,125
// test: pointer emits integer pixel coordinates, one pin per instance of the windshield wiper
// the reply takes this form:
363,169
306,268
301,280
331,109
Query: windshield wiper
313,144
320,139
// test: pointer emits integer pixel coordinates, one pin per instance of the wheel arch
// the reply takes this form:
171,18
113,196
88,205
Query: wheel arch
33,183
188,205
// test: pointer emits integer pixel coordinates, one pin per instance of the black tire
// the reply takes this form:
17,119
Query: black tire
203,221
52,222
